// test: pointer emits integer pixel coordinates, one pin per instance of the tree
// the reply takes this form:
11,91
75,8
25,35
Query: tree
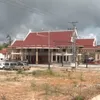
9,39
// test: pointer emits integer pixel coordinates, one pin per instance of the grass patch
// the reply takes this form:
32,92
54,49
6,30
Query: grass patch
79,98
34,86
43,73
20,72
81,77
13,79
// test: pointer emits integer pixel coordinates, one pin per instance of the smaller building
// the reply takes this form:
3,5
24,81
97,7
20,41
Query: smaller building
3,54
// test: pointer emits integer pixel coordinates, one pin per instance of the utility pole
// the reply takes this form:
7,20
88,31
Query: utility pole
74,43
49,51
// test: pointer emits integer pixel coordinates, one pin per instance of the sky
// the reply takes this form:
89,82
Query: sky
18,16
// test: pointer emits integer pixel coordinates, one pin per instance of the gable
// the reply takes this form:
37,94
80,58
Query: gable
87,43
17,43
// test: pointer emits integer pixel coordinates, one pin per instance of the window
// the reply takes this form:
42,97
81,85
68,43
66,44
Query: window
6,64
64,50
20,64
45,50
58,58
98,56
54,58
64,58
28,50
67,58
12,64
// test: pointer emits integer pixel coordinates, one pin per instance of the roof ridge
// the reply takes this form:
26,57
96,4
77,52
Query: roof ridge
85,38
52,31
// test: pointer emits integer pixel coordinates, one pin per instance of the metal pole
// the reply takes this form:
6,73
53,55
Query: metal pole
74,44
74,50
62,57
49,58
86,58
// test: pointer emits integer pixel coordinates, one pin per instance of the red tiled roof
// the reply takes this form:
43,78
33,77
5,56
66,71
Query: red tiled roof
17,43
97,47
3,51
87,43
40,39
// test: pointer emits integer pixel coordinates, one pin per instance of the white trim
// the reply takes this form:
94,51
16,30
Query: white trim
66,54
14,53
71,39
75,30
52,31
79,54
13,42
30,31
94,42
35,48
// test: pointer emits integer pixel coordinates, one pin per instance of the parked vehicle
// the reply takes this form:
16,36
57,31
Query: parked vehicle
2,64
8,65
13,65
21,66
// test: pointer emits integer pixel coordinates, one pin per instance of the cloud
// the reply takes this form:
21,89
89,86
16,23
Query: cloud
18,16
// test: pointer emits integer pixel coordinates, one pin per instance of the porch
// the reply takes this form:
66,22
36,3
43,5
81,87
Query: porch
40,56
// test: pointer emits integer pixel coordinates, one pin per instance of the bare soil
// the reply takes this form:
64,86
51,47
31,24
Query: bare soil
57,84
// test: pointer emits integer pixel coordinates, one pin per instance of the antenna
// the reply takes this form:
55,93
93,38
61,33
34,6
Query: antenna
74,51
74,24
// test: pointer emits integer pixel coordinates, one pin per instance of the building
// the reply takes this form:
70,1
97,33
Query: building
3,54
56,46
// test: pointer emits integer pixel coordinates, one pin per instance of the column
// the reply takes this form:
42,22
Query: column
25,53
79,60
22,55
69,58
51,57
12,55
96,56
36,56
99,56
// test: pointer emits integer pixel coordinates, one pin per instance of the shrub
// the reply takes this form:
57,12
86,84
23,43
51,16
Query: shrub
41,72
79,97
47,89
81,77
19,72
33,86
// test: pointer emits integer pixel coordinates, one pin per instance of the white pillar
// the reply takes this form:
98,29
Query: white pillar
96,56
36,56
12,55
99,56
22,55
51,57
66,58
69,58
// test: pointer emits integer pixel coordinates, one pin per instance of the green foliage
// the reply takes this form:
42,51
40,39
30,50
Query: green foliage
43,72
47,89
79,98
4,45
69,74
81,77
34,86
75,83
20,72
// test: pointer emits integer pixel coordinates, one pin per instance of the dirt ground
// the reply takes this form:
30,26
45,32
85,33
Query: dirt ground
56,84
